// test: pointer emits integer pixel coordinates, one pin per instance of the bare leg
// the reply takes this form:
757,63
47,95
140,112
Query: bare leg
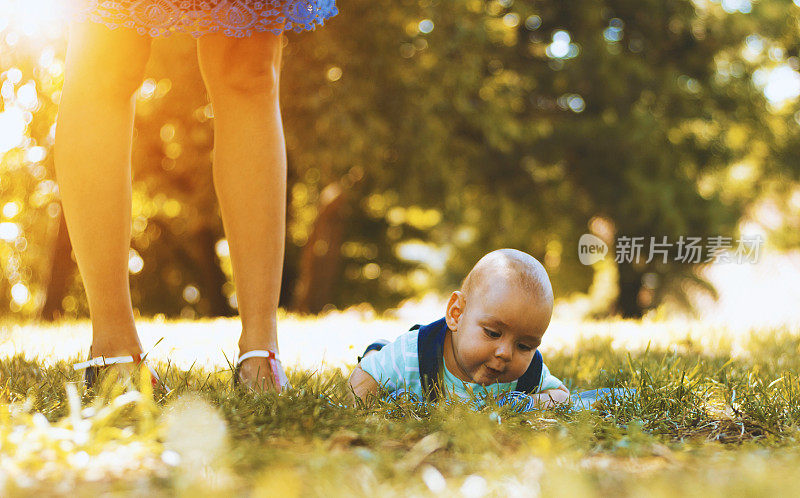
93,167
242,76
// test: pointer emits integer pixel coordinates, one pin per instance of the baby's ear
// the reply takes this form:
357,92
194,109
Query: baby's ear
455,308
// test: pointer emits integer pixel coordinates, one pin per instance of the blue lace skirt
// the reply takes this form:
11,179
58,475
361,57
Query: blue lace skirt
234,18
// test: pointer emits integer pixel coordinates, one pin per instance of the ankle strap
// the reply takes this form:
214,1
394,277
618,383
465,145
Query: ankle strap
258,353
102,361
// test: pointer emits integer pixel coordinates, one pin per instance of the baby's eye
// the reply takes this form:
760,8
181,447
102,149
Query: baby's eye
525,347
492,333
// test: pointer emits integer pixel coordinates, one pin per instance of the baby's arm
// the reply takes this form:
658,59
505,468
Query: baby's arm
361,384
553,392
553,397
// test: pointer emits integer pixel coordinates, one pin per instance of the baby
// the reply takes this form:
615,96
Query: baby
486,343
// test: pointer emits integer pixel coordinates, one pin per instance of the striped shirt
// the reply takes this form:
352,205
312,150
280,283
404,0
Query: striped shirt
396,366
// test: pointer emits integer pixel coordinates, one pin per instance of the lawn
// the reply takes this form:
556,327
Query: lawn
715,413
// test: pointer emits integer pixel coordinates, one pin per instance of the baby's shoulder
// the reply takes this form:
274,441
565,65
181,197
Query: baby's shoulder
401,352
407,343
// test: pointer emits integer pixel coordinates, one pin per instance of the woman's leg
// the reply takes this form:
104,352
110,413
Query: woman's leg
241,76
93,168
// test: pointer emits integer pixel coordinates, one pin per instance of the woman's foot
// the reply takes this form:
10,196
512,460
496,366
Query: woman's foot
98,367
121,367
261,371
122,352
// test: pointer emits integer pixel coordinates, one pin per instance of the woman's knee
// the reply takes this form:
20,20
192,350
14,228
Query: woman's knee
241,66
255,79
110,63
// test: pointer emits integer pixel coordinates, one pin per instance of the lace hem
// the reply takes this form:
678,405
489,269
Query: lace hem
234,18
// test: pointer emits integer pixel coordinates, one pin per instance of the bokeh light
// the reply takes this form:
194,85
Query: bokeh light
742,6
334,73
562,46
11,209
221,248
613,33
533,22
191,294
781,84
9,231
135,262
12,128
425,26
511,20
20,293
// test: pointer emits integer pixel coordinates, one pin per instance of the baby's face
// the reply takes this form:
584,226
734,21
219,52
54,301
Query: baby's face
497,332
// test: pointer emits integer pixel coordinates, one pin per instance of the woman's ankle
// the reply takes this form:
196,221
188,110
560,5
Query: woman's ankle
115,346
253,342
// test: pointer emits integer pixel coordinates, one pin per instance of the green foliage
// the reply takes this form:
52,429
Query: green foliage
520,145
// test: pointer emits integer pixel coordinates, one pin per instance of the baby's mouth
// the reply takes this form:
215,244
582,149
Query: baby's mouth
493,371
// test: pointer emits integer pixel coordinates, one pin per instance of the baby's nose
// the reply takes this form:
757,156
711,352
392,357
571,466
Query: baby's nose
503,352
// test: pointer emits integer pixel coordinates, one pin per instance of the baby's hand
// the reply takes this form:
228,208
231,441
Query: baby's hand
523,402
361,384
529,402
553,397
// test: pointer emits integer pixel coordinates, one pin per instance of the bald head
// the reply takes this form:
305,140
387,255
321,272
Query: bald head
513,266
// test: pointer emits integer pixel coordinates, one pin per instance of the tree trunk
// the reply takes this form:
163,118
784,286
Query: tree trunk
61,270
630,283
321,256
198,257
211,278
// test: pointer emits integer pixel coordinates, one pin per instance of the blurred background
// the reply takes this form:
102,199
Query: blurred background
422,134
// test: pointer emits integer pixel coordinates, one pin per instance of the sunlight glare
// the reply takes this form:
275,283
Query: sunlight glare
11,209
32,17
19,293
560,46
782,84
27,96
12,128
135,262
36,154
9,231
221,248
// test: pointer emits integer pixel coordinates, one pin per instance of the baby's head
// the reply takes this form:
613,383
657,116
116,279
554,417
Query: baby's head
499,316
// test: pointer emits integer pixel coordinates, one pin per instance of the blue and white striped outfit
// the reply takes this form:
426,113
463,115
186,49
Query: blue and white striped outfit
396,366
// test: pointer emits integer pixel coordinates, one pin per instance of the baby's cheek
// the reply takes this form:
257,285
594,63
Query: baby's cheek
474,359
471,359
520,367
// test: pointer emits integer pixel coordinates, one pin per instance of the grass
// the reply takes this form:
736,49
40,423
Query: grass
703,422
